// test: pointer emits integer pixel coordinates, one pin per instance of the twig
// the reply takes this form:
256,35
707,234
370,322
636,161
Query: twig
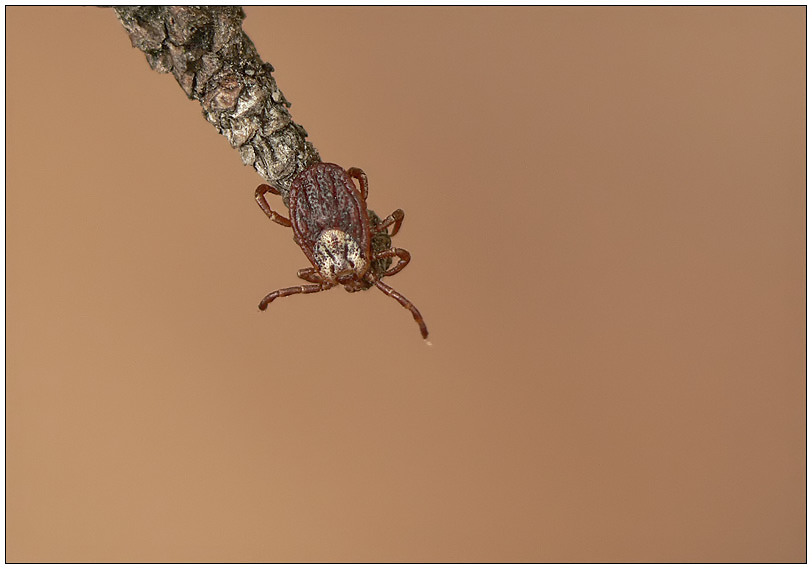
215,63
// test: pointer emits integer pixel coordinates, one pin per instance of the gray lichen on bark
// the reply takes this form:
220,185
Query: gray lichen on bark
215,63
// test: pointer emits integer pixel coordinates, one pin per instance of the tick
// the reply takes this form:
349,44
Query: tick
331,224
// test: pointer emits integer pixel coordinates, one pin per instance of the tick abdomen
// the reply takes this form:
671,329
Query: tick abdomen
323,197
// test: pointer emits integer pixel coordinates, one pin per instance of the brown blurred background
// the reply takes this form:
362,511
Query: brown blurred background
605,209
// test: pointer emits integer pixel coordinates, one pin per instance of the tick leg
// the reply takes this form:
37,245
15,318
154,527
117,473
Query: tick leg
309,274
282,292
361,176
263,203
405,303
396,218
403,259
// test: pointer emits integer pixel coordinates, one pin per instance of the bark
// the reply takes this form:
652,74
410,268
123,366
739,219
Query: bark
215,63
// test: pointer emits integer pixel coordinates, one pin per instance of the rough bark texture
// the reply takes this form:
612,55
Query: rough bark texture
215,63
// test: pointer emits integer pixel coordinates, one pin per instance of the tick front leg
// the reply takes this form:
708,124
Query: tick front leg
396,218
282,292
405,303
263,203
403,259
361,176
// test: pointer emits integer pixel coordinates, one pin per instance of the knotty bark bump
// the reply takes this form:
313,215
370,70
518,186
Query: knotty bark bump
215,63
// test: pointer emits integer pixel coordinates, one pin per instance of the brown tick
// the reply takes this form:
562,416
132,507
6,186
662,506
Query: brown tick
331,224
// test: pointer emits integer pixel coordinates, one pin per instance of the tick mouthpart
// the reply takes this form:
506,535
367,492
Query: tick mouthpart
345,276
355,285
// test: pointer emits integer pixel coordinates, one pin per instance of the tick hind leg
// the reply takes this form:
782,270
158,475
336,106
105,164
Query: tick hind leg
396,217
283,292
403,259
405,303
361,176
363,181
259,195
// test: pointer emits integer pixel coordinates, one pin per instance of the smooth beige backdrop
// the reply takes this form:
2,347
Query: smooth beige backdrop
605,209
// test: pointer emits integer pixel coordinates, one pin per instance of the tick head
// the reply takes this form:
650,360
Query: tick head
339,257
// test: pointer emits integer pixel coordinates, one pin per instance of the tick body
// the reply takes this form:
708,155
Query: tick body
331,224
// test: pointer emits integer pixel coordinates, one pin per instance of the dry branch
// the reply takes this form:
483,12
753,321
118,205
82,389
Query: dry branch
215,63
